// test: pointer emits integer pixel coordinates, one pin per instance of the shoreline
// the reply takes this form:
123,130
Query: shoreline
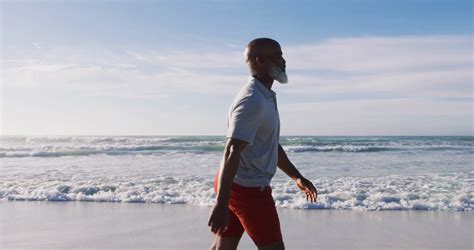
105,225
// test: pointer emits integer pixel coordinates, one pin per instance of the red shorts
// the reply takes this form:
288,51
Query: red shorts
253,210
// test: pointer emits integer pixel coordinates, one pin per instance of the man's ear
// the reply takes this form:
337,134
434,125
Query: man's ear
259,60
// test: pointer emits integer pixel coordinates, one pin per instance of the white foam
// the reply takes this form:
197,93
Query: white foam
381,193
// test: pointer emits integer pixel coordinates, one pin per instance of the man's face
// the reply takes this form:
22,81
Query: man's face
276,57
276,65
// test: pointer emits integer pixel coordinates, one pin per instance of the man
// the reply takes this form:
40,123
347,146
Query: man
251,155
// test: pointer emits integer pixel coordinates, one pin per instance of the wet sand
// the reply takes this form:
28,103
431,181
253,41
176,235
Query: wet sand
95,225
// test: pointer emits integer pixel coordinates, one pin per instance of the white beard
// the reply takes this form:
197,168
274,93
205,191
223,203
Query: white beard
277,74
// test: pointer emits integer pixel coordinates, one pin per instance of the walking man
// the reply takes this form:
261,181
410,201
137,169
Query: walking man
251,155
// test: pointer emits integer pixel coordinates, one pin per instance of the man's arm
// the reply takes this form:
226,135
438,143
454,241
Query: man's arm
286,166
304,184
220,212
228,169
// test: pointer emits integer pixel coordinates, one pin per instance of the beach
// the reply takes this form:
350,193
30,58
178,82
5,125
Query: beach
156,192
105,225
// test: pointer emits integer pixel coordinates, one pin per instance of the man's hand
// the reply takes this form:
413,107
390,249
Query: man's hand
308,188
219,218
305,185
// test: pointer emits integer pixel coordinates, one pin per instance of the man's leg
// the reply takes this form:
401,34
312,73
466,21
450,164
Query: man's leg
274,246
225,243
229,239
258,216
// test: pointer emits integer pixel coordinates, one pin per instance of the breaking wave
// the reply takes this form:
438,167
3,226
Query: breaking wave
428,192
56,146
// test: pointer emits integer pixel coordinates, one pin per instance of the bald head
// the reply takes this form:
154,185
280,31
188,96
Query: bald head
265,60
260,47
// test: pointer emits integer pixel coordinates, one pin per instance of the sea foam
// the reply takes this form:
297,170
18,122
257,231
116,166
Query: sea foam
444,193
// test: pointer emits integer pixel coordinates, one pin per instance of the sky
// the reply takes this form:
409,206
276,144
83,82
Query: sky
173,67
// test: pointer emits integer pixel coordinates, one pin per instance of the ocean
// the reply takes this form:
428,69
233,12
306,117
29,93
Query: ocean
363,173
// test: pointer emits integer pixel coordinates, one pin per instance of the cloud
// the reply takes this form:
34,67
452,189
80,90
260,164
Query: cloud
38,67
37,45
364,85
190,59
378,117
427,66
452,82
382,54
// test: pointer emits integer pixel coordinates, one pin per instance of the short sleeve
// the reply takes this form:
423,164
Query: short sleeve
245,119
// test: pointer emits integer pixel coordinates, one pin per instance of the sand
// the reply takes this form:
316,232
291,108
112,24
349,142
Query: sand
94,225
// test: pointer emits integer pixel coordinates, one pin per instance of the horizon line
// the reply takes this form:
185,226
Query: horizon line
223,135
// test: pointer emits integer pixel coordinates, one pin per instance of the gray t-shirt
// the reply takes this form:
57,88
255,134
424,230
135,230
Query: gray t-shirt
253,117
